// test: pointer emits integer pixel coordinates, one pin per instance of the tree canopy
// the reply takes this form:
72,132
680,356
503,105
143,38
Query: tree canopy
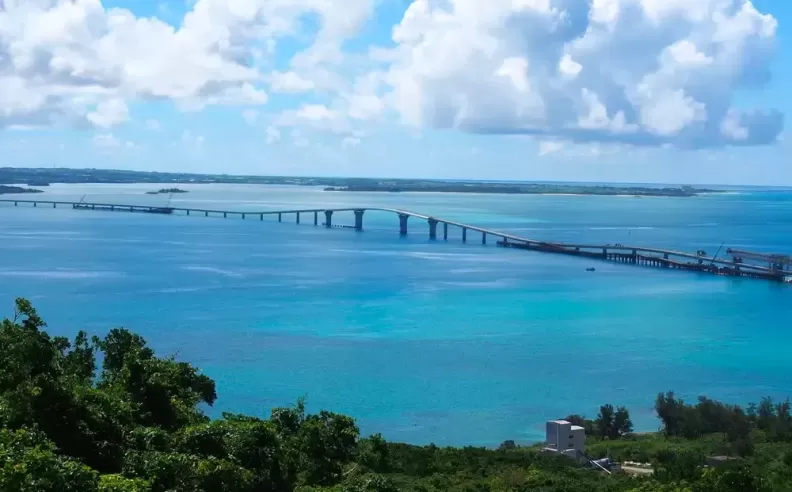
135,424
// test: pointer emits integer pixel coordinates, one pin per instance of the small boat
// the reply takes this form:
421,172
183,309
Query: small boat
591,269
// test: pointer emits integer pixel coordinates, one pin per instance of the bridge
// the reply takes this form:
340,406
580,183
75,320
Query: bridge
779,267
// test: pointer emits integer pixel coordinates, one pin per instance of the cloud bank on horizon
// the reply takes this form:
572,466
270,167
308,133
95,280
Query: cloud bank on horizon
642,72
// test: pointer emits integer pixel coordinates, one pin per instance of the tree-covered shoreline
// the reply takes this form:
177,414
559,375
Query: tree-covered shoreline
134,424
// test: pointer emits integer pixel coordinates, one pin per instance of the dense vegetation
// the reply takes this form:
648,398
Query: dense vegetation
415,186
135,425
10,190
166,191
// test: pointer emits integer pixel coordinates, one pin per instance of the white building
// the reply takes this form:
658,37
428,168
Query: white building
566,439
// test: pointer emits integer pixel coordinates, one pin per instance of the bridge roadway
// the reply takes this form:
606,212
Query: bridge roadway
597,251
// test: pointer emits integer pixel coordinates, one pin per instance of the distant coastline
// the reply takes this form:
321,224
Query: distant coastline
23,176
11,190
526,189
166,191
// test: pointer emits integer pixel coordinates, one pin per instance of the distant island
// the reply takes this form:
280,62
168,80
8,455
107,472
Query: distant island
166,191
10,190
520,189
22,176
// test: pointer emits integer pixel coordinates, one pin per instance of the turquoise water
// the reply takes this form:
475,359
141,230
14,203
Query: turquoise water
423,341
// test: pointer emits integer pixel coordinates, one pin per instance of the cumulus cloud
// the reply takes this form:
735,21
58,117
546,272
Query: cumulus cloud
75,62
641,72
646,72
318,117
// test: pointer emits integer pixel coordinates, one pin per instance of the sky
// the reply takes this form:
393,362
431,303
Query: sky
668,91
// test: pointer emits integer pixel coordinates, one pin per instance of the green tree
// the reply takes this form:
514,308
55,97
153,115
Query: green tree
29,463
604,423
622,424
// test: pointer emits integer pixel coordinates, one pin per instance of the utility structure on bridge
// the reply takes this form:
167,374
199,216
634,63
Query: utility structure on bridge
779,266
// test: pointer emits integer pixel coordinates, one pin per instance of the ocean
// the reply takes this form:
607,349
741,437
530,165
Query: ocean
422,341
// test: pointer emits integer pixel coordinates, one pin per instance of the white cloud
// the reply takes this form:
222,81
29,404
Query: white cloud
350,142
109,113
250,116
549,146
289,82
648,72
644,72
62,61
192,142
273,134
317,117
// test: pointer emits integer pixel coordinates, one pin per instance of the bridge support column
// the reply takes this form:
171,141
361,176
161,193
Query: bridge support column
54,205
35,204
261,217
188,213
359,219
605,253
464,234
483,238
297,219
445,231
328,218
665,263
635,256
432,228
316,218
16,204
225,215
243,216
403,224
206,214
280,217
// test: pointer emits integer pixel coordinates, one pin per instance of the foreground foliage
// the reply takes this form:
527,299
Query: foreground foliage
135,425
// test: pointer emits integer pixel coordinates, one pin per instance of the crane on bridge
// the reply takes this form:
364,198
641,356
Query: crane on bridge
777,262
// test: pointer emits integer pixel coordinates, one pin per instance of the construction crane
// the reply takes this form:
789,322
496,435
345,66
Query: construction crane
776,261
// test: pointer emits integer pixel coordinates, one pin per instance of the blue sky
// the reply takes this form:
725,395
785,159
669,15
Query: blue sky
670,91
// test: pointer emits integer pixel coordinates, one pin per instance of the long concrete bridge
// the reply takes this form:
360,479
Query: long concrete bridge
779,268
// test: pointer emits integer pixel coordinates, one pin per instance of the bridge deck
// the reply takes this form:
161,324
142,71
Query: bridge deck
528,243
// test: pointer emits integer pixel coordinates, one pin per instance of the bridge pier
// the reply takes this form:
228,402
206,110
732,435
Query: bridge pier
243,216
403,224
261,217
445,231
432,228
297,219
225,215
464,234
483,238
280,217
359,219
188,212
16,204
328,218
54,205
316,218
634,256
206,214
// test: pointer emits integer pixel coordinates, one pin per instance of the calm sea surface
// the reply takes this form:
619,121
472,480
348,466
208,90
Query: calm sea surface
423,341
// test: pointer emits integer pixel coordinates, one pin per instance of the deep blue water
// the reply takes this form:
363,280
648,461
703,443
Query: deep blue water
423,341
